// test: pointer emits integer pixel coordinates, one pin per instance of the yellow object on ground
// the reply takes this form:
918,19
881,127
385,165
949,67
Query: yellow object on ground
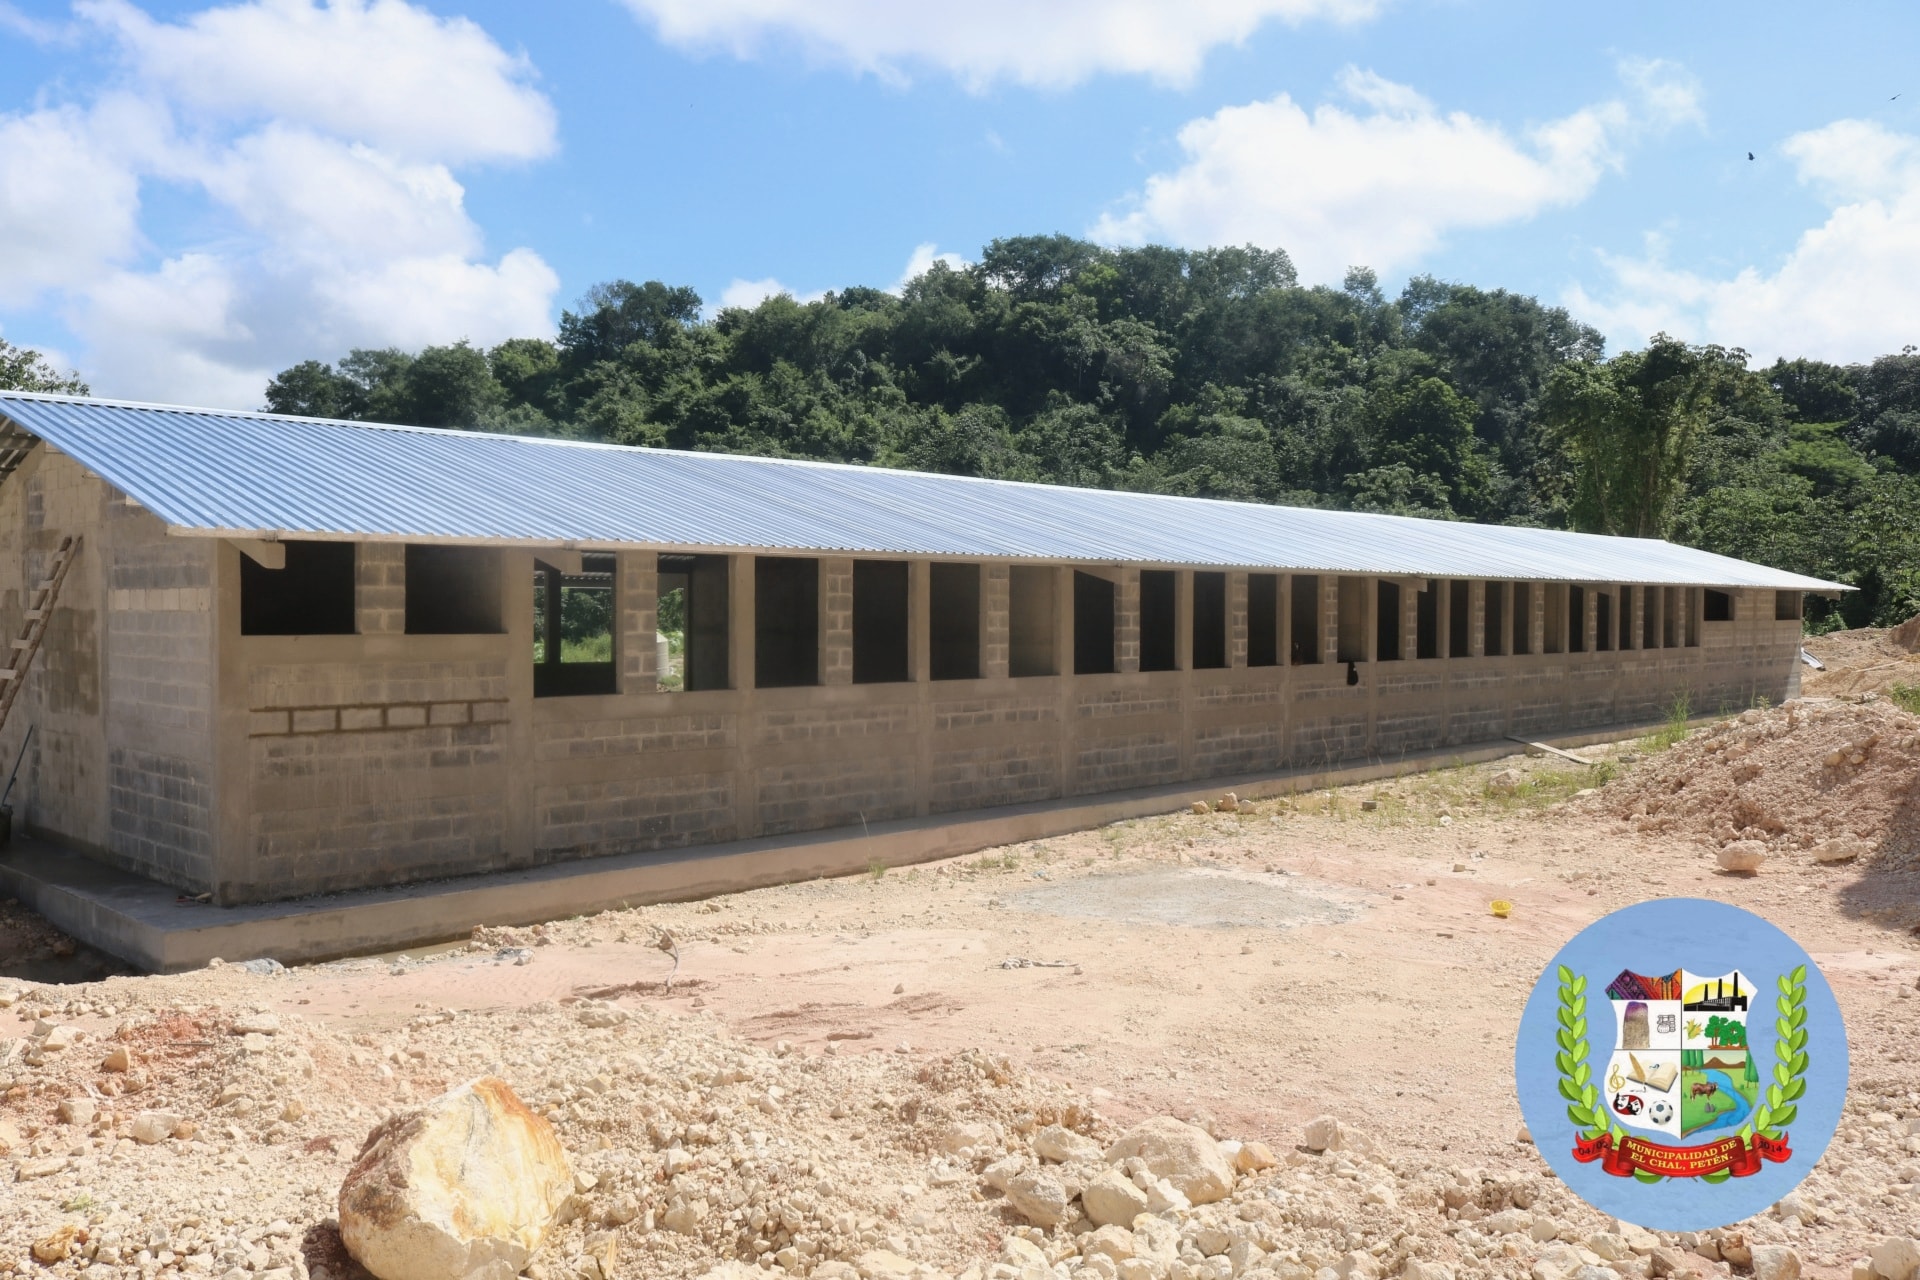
1501,907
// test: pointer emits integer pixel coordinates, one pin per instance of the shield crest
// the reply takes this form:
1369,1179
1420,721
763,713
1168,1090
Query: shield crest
1680,1065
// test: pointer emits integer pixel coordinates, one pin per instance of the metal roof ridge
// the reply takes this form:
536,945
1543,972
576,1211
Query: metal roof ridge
261,415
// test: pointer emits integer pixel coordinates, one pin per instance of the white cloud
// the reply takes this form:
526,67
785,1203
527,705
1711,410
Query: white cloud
751,293
1052,43
385,72
323,140
1843,293
67,207
921,261
1383,186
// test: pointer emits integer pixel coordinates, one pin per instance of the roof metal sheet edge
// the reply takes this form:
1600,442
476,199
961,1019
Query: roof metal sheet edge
1562,541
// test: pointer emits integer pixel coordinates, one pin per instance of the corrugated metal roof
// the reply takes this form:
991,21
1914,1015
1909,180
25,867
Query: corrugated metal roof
216,472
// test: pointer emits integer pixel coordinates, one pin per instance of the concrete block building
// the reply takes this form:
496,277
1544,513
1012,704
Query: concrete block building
297,656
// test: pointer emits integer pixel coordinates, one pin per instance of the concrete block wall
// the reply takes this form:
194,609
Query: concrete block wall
120,697
261,766
401,766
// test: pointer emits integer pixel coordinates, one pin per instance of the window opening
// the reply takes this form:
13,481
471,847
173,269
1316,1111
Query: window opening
1352,633
1030,620
311,596
1459,618
1626,618
1303,631
1671,631
1495,630
953,592
692,618
1092,625
879,621
1522,618
1602,621
786,622
1786,606
1426,629
1386,639
1576,619
573,628
1209,621
1650,598
1263,619
453,591
1719,606
1158,622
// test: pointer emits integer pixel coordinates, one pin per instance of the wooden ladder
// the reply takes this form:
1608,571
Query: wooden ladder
39,613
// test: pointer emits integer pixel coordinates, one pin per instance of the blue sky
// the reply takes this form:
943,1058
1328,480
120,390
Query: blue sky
193,196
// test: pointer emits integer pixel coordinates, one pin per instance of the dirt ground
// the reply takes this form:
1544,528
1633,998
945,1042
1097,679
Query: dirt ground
1329,954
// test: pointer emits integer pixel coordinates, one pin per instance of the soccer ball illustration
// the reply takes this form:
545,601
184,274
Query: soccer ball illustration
1661,1111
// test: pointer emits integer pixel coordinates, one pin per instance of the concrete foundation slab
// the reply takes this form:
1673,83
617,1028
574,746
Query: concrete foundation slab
146,924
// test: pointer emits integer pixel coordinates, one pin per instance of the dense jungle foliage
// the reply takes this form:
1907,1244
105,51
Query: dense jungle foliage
1214,372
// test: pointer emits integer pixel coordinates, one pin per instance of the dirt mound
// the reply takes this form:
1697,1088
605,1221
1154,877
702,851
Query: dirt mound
1864,660
1831,777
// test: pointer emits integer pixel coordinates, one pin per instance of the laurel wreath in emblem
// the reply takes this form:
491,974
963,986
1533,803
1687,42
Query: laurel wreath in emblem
1770,1117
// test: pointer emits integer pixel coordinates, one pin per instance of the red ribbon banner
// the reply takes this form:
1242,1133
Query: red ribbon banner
1735,1155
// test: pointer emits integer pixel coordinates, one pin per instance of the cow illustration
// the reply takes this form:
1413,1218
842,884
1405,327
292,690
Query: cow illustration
1703,1089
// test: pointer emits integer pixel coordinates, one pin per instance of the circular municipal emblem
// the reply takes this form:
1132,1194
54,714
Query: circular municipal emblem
1681,1064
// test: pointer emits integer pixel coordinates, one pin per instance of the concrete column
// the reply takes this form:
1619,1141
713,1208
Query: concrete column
1183,620
1236,619
380,588
1656,597
1443,617
636,597
836,620
1329,617
919,620
1126,620
1636,619
1370,619
740,624
1537,617
994,641
1590,618
1477,629
1283,626
1410,617
1063,620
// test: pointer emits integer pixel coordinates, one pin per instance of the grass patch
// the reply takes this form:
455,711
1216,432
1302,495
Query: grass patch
1906,697
876,869
1546,787
1673,731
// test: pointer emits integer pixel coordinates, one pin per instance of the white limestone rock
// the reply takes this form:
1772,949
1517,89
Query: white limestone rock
1775,1262
463,1189
1746,856
1111,1199
1063,1146
1896,1259
1187,1157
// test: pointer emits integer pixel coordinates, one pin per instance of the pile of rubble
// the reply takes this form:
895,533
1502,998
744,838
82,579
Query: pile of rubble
1829,780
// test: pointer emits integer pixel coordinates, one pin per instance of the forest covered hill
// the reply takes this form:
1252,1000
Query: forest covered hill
1215,372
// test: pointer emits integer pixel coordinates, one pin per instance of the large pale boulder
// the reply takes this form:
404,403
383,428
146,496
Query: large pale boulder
1187,1157
462,1189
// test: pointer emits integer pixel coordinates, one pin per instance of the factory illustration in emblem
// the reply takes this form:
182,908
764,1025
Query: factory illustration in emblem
1681,1067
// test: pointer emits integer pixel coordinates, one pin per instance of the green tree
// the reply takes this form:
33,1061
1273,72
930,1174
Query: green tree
1630,425
24,369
